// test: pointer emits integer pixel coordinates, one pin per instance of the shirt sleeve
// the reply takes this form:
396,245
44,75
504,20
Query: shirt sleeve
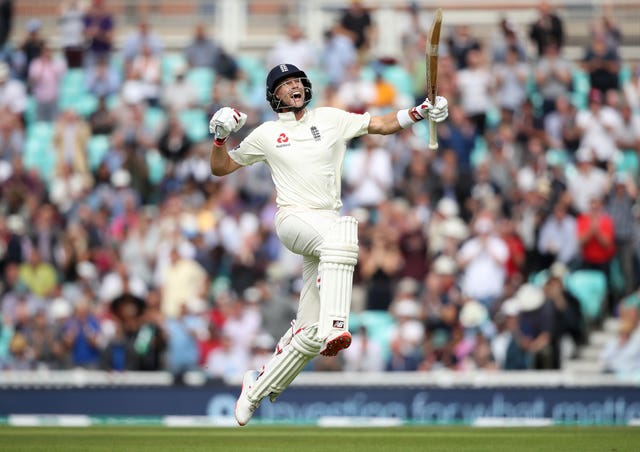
351,124
249,151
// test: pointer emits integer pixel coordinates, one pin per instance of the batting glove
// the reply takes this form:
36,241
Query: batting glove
225,121
436,113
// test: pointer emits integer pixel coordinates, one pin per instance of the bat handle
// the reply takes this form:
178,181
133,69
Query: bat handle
433,136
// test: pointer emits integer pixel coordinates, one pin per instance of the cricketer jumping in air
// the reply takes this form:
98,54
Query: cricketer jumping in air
304,149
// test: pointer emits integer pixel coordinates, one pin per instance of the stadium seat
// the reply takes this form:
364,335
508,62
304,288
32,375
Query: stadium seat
379,325
156,165
170,62
480,151
558,157
590,288
97,148
37,149
628,161
154,118
195,123
202,79
581,87
539,279
400,78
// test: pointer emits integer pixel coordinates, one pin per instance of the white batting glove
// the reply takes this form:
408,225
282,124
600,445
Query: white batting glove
436,113
225,121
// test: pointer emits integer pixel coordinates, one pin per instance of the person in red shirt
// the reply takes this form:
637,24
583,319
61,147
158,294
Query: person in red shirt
596,236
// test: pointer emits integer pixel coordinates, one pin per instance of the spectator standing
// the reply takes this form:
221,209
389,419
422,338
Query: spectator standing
357,20
202,51
599,124
142,38
511,78
295,48
6,21
553,76
548,28
31,47
619,205
475,86
99,30
602,63
45,75
338,53
460,43
71,22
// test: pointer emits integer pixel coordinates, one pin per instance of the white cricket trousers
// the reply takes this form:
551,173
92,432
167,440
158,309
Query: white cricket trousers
303,232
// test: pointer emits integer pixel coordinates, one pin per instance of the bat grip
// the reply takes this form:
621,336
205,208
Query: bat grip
433,136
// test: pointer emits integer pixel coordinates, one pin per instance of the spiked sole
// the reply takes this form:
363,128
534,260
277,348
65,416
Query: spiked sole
336,344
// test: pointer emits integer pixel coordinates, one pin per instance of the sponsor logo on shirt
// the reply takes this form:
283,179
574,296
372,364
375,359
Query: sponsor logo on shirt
283,141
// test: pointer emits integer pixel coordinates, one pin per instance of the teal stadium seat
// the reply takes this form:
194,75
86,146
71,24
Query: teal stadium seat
97,148
480,151
400,78
195,123
154,118
156,165
38,152
581,87
628,162
202,79
379,325
590,288
170,62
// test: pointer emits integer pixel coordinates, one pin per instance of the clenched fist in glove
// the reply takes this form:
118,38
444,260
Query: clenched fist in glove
437,112
225,121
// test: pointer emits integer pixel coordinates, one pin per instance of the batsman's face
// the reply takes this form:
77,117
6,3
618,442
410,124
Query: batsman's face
291,92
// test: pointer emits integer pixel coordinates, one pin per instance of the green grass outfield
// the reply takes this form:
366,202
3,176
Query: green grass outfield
311,439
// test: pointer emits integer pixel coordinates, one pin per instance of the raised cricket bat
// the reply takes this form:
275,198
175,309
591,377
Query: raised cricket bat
431,54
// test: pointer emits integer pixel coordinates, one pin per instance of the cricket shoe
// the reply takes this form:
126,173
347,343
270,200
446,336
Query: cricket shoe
333,344
245,407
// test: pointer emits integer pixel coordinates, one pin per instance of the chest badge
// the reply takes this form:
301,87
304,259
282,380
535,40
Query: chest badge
315,133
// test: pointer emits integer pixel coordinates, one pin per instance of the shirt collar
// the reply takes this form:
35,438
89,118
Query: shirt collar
290,116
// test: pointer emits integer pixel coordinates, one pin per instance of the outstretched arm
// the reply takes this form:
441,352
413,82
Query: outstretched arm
395,121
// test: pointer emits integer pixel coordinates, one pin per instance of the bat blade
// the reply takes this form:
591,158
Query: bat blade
431,57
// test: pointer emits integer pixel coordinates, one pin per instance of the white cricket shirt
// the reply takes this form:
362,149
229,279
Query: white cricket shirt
306,156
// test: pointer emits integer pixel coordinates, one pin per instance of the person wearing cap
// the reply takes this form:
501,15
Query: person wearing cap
305,148
537,323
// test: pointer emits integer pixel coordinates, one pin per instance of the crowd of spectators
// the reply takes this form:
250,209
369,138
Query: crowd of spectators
136,258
